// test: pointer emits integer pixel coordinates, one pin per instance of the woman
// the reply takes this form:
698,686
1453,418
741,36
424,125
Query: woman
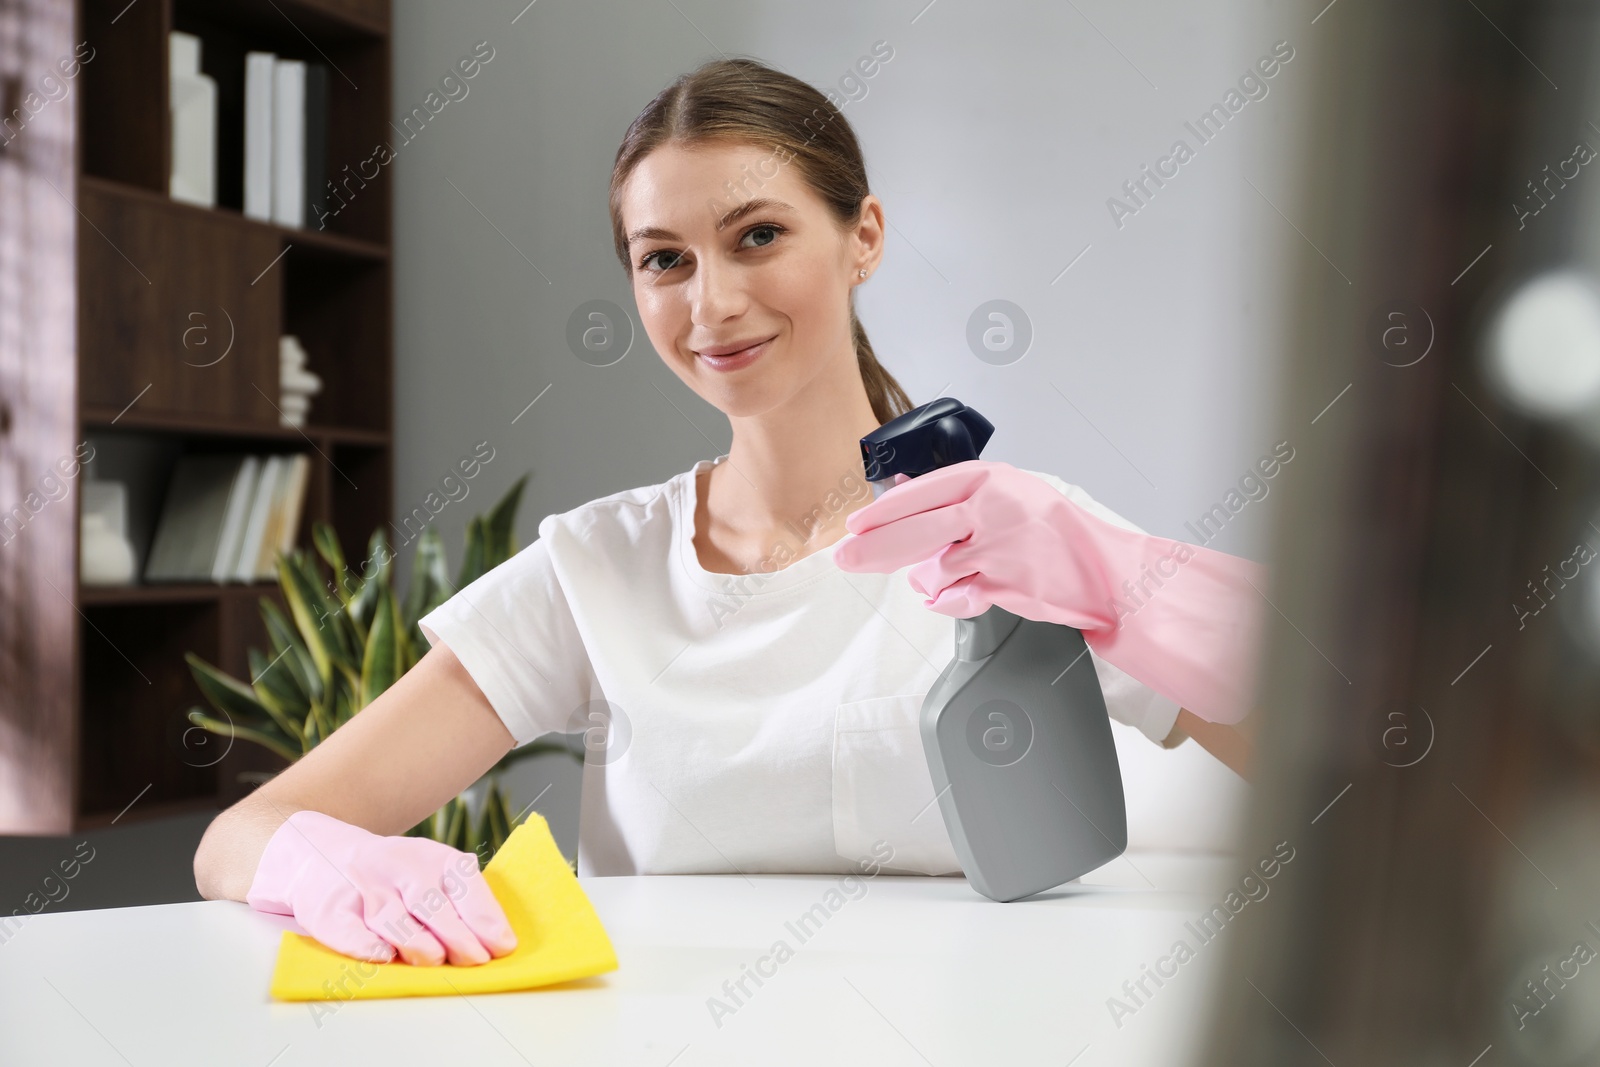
755,702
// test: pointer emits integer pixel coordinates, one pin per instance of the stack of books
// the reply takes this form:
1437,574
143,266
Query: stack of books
285,139
226,518
296,384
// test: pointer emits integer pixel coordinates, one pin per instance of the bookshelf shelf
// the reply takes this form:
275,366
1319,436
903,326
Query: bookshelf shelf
323,244
329,21
103,418
112,273
169,593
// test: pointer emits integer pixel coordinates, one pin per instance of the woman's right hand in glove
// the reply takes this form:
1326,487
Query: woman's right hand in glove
370,896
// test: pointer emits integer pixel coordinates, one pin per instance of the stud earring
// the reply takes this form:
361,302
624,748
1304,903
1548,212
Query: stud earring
863,272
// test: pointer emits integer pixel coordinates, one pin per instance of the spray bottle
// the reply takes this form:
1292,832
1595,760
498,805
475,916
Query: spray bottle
1015,729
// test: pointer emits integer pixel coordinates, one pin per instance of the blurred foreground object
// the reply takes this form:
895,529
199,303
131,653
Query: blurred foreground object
1430,682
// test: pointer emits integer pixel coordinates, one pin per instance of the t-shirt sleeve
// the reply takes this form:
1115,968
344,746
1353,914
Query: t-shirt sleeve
513,630
1128,700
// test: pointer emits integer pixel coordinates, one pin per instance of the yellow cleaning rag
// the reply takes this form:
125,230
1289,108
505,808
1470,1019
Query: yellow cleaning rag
559,937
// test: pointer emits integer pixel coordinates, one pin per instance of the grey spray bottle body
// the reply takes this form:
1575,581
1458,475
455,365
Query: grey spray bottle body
1015,729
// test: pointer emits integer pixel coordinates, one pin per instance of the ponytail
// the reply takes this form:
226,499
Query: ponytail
887,397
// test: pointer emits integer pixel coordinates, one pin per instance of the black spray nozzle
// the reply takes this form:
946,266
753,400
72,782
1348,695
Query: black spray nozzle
935,435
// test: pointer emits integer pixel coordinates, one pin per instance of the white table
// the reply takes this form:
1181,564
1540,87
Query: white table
910,970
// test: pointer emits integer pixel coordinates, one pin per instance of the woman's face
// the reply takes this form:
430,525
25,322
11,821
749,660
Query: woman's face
777,275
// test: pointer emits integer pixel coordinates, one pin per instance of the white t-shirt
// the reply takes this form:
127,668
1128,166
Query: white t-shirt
734,723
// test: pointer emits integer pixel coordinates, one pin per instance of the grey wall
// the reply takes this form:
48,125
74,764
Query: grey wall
995,136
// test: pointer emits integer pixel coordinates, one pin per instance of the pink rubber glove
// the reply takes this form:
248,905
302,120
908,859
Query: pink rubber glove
1180,618
369,896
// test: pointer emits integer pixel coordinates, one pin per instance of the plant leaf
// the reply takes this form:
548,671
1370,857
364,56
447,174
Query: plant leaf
227,694
498,524
198,717
381,664
305,599
347,639
472,561
500,818
323,623
299,660
411,650
430,581
483,829
323,719
344,709
455,832
282,676
379,563
279,692
326,539
474,842
339,698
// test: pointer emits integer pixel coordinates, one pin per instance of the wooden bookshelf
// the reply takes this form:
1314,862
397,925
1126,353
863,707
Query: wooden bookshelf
93,681
103,418
172,593
324,244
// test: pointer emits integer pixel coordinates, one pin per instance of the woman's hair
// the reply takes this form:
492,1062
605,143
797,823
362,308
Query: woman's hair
742,100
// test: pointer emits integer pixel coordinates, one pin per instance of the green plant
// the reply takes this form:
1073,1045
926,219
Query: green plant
351,637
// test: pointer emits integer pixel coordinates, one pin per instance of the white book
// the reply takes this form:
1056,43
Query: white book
289,143
293,499
192,100
193,514
255,527
258,93
244,489
274,539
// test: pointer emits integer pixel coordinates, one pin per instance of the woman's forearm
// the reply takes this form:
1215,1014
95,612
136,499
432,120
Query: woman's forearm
419,743
225,863
1233,744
